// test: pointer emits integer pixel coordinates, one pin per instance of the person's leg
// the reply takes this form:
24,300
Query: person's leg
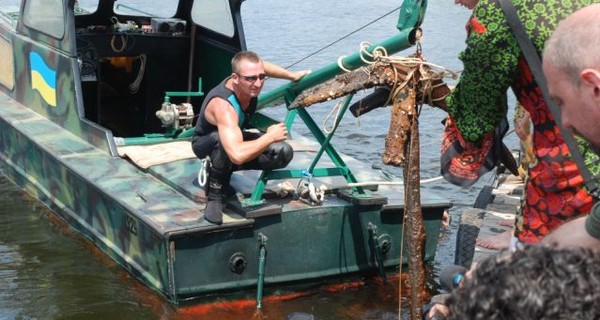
496,242
502,240
276,156
220,173
203,146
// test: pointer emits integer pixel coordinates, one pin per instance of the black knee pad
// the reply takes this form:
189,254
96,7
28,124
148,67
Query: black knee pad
283,154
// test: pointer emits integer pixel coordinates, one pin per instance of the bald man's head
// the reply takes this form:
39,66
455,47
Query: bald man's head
575,44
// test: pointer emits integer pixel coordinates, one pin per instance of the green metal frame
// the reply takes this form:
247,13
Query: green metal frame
408,23
199,93
340,169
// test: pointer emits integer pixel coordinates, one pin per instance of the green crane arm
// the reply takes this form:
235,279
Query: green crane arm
412,13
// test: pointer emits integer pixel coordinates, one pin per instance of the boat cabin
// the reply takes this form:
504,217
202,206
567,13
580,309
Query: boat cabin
116,59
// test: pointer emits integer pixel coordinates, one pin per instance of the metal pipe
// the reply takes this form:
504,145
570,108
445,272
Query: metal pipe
277,95
325,143
262,260
377,249
412,13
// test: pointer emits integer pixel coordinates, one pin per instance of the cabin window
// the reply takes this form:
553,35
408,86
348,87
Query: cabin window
11,6
162,9
7,68
214,15
86,6
46,16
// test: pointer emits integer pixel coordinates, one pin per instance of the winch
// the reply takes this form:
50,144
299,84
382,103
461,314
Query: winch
175,116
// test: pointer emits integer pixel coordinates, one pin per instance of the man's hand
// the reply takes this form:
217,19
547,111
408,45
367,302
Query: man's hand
297,75
522,126
277,132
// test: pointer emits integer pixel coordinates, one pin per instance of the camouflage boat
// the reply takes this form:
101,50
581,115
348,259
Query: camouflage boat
95,121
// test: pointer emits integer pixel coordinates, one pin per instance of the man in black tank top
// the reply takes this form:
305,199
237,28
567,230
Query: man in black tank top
220,129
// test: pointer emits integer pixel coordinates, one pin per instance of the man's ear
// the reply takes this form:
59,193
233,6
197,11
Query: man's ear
591,78
235,77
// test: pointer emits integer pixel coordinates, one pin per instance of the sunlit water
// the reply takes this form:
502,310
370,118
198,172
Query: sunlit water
48,272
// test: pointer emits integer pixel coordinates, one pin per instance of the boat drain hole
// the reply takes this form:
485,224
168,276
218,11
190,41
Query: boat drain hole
385,242
238,262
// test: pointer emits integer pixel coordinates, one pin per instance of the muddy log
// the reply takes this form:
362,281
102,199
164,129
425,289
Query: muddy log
377,74
403,112
413,217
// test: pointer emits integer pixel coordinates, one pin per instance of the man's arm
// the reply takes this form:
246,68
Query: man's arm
275,71
573,234
221,114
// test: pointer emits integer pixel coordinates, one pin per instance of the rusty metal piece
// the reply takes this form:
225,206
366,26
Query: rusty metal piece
403,114
413,216
377,74
410,86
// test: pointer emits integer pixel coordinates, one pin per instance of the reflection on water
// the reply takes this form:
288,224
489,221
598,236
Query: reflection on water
47,272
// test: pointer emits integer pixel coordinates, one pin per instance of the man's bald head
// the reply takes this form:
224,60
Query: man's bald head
575,44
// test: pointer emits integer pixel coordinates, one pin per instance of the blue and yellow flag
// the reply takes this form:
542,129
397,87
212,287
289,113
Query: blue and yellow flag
43,79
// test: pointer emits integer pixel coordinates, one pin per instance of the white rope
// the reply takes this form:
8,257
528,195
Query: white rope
338,107
417,62
387,183
340,63
374,56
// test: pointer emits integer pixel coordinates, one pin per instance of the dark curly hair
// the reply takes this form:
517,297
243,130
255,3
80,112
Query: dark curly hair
536,282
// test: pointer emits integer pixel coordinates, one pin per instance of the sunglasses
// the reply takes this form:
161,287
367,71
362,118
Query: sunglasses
253,79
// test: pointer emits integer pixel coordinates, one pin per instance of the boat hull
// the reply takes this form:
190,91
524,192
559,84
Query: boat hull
158,234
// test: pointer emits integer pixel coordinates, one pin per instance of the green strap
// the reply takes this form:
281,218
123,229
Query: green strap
535,64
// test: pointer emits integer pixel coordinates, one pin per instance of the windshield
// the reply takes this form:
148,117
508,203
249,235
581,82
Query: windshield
149,8
214,15
10,5
46,16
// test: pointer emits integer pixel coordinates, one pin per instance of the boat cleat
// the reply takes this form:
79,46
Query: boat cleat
308,193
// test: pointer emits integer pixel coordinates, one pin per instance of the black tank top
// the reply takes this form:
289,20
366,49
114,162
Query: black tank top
203,127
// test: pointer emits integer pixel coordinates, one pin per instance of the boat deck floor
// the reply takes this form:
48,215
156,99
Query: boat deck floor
167,195
182,175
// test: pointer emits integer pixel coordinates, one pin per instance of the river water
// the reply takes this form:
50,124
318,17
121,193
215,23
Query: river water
48,272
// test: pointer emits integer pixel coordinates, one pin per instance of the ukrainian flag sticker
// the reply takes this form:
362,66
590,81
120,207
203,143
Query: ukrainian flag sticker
43,79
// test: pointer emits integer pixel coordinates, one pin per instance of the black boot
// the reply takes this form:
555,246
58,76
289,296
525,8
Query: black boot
228,190
214,208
